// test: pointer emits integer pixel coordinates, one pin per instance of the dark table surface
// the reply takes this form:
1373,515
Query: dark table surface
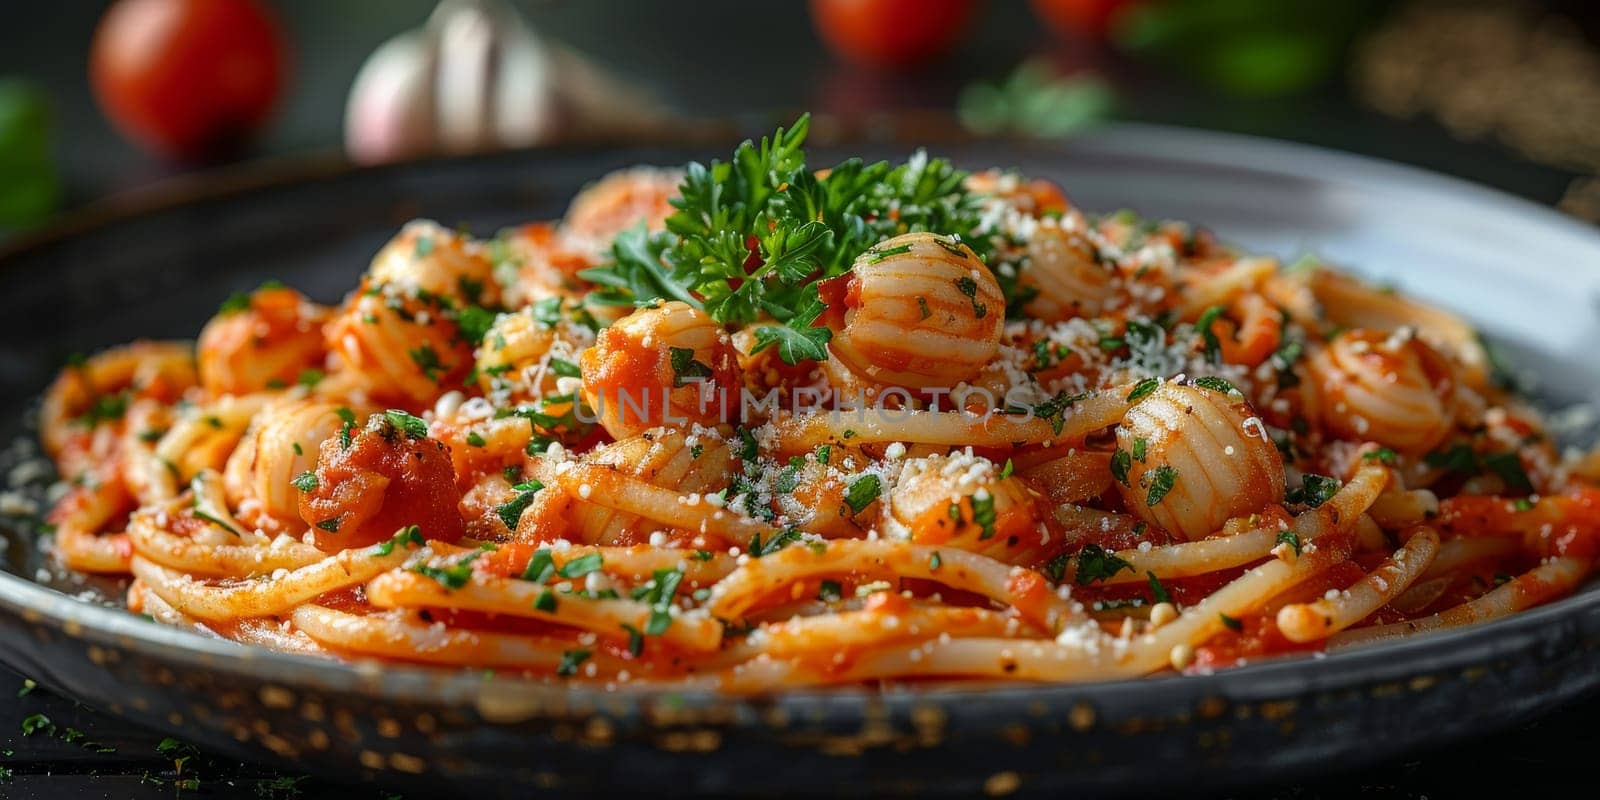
83,753
91,755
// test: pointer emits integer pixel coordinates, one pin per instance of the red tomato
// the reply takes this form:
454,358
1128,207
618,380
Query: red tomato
187,78
1091,18
891,33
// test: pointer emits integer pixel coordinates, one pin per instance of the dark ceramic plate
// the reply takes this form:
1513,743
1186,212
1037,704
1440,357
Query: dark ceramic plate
157,268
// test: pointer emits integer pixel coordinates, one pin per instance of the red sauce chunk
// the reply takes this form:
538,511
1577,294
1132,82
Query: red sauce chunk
373,481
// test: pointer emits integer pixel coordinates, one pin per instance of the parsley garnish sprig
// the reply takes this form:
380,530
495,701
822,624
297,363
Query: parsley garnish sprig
752,236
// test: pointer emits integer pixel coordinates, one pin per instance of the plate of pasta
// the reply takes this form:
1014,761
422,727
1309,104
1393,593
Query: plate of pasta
1017,466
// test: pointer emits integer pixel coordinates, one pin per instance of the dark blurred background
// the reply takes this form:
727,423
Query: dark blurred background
1504,93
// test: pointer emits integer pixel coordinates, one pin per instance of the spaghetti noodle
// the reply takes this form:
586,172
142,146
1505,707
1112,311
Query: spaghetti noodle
754,425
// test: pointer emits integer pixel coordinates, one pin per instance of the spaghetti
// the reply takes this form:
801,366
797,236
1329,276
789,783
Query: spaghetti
754,425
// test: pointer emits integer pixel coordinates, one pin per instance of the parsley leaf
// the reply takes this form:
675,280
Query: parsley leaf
1216,384
1161,480
570,659
581,566
411,426
1095,563
684,368
798,340
474,323
1056,567
1508,466
510,512
409,535
540,566
862,492
1212,345
1121,461
779,541
1143,389
1158,593
663,586
1290,538
1383,455
305,481
983,514
453,576
1314,490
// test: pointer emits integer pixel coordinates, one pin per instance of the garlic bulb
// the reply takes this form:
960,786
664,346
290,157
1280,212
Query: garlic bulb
475,77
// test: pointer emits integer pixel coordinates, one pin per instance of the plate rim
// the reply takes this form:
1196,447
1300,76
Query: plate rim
1455,648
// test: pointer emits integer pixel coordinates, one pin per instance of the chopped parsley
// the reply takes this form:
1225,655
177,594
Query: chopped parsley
36,723
1143,389
878,254
1056,567
540,566
201,514
969,287
305,481
1095,563
779,541
570,660
1231,623
1314,490
1121,461
659,594
935,561
411,426
685,369
1458,458
410,535
1212,345
510,512
1162,479
1508,466
475,439
1216,384
829,591
1158,593
983,514
635,640
1283,361
1291,539
105,408
862,492
1054,410
235,303
1382,455
1461,460
331,524
349,419
427,360
581,566
453,576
